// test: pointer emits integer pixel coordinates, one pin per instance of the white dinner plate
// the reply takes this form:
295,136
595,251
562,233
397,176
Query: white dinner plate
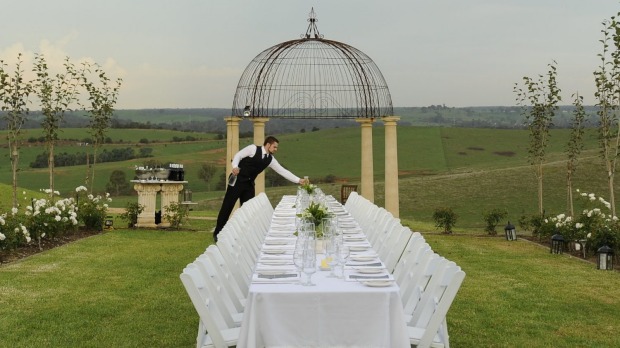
277,242
354,239
275,262
363,258
369,270
358,248
274,252
378,283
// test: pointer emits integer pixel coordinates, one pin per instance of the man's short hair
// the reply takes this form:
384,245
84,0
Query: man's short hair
270,140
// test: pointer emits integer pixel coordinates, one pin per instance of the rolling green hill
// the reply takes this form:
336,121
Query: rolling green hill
471,170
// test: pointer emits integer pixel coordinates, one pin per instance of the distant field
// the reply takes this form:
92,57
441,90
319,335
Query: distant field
469,169
117,135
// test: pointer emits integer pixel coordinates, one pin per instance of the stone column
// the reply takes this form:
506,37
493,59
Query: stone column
147,197
232,143
259,138
368,181
391,165
169,194
232,140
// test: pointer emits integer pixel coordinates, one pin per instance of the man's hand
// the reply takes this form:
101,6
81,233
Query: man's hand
235,171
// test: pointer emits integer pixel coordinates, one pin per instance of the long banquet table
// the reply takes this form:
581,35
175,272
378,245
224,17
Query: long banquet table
334,313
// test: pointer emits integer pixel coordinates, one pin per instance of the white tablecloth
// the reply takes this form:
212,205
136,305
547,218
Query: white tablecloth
334,313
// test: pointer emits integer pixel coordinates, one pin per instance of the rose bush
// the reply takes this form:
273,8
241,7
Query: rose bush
50,218
595,223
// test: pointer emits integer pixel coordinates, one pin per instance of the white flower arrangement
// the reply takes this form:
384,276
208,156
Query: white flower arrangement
309,188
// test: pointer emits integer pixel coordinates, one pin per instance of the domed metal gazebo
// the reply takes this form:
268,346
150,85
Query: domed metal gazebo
316,78
312,78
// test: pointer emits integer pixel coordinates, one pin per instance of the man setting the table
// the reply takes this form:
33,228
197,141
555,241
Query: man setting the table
247,164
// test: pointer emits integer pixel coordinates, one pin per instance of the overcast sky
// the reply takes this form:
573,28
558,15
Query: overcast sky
191,53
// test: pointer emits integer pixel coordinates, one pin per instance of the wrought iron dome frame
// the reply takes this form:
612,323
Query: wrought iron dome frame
312,78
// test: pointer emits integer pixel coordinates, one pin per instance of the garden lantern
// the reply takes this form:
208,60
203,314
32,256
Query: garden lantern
605,258
557,244
109,222
187,195
511,232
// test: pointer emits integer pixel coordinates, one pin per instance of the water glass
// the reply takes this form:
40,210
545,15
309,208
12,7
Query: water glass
298,257
309,264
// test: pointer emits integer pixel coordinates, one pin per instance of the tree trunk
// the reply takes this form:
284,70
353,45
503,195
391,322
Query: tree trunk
569,188
50,164
612,200
14,161
87,179
539,175
92,173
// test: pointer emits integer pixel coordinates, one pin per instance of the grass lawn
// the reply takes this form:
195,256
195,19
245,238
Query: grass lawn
122,289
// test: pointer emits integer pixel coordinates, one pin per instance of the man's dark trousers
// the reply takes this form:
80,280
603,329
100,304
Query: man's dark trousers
244,191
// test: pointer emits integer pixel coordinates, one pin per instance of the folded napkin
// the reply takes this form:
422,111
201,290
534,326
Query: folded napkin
290,268
369,277
281,261
286,247
282,221
282,234
354,244
349,238
274,257
380,276
364,253
285,224
280,241
371,264
275,278
356,230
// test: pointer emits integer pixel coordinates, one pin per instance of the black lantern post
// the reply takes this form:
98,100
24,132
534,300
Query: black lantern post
109,222
605,258
511,232
557,244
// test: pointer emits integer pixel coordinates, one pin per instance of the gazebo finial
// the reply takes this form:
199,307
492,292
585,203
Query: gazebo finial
312,29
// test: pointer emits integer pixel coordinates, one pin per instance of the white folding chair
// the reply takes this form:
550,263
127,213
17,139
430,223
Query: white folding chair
378,230
218,291
427,330
418,281
399,238
212,330
411,259
238,294
239,267
352,203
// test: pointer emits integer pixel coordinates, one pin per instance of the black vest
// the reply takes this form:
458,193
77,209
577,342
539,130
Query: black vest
250,167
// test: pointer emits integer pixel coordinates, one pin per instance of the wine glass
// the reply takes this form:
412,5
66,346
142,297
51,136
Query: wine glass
332,252
309,264
343,256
